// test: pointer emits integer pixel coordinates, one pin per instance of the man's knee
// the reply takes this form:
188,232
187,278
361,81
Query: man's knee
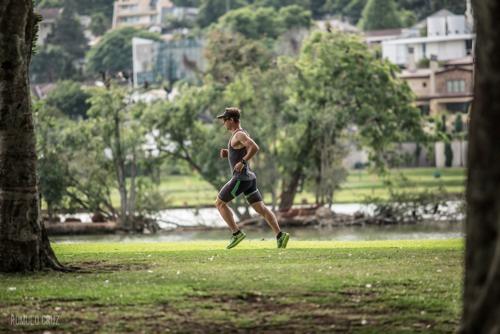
259,207
219,203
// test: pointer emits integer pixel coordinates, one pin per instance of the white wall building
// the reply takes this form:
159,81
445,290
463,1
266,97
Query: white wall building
448,37
154,62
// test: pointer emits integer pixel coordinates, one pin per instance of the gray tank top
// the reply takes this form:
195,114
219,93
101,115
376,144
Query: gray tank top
235,155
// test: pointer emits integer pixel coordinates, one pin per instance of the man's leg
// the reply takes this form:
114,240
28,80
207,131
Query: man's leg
267,214
226,214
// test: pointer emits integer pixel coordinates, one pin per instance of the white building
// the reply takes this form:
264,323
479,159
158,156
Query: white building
448,37
139,13
49,17
154,62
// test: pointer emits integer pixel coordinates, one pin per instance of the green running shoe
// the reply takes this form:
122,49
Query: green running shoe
236,239
283,240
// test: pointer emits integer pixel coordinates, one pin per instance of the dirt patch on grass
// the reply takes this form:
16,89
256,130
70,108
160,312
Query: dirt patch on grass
301,314
346,311
92,267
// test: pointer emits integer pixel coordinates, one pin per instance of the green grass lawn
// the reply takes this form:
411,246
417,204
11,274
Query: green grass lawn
199,287
193,190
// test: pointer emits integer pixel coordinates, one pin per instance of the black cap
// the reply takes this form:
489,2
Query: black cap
231,112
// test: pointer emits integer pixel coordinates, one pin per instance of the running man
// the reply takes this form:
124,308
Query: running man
240,149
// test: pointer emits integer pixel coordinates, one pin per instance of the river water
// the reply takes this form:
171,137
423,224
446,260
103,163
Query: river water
210,217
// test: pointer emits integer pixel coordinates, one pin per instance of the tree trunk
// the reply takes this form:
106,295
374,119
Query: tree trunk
481,313
290,189
24,245
119,161
133,188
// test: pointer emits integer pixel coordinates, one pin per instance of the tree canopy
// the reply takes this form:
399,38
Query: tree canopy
70,99
68,32
113,53
380,14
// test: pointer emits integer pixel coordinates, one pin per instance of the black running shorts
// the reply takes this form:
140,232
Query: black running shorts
235,187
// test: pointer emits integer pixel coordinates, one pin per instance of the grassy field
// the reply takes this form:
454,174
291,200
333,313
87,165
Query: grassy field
314,287
192,190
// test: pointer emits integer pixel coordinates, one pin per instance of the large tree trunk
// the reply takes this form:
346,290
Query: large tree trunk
119,161
481,313
290,185
24,245
290,189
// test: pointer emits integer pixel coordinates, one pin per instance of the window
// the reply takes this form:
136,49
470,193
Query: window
424,84
458,107
455,86
128,7
468,46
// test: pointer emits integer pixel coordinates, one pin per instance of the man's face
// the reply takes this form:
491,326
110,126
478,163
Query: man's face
227,122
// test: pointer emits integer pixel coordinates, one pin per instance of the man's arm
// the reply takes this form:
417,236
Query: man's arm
249,144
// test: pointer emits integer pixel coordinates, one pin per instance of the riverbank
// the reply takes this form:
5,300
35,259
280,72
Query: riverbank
199,287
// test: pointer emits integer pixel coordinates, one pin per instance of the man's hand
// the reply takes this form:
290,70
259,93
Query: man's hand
239,166
223,153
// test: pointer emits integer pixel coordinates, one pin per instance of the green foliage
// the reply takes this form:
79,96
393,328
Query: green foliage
186,3
408,18
82,162
459,124
424,63
295,16
182,134
424,8
264,22
100,24
70,99
351,9
340,83
317,8
211,10
51,63
113,53
277,4
354,10
68,33
253,23
230,53
51,168
380,14
87,7
93,7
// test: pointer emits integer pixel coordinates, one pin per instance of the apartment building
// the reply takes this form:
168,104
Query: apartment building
139,13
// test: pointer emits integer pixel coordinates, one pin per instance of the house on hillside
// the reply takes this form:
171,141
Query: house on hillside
441,88
443,34
151,14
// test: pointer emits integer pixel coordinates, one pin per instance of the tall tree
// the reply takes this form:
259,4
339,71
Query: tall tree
24,245
113,53
68,32
100,24
340,85
50,64
482,250
380,14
